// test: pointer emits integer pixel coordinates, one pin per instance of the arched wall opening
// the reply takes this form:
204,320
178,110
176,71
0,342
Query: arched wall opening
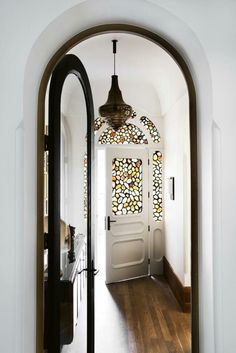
154,85
193,148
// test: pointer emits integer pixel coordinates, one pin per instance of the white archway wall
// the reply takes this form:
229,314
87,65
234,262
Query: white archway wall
193,27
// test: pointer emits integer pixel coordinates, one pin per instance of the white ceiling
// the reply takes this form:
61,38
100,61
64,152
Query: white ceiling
149,78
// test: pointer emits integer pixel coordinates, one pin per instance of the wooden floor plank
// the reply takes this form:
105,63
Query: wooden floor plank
140,316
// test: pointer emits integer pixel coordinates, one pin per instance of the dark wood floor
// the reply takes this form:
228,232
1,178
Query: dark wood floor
140,316
137,316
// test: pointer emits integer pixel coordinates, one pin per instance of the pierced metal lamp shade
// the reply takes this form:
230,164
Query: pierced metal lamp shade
115,111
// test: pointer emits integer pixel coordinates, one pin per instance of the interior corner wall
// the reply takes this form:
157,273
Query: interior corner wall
177,212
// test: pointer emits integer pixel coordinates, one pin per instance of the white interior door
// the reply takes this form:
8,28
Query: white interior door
126,213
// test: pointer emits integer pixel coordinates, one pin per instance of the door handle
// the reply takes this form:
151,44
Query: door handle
109,222
95,271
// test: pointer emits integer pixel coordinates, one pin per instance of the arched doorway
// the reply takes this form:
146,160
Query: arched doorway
192,108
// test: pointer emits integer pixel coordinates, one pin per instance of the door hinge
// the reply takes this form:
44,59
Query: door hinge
149,228
46,143
149,261
148,161
148,194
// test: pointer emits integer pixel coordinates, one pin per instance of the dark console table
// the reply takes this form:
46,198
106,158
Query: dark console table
72,288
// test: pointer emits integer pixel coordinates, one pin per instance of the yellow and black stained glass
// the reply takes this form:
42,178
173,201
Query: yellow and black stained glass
127,134
127,187
98,123
151,128
157,186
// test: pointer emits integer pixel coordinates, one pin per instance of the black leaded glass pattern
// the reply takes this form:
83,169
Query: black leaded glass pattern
157,186
151,128
127,134
98,123
127,188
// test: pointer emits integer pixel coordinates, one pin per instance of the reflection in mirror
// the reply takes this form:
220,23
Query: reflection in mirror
73,243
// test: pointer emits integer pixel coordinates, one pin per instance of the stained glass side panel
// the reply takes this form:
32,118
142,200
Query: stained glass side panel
157,186
127,134
151,128
127,186
85,187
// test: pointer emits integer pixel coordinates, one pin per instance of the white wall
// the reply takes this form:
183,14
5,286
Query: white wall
177,212
204,32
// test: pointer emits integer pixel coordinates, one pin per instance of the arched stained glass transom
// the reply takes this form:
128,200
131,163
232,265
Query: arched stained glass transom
154,133
127,134
130,133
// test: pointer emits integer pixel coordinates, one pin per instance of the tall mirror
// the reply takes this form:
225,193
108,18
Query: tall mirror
73,217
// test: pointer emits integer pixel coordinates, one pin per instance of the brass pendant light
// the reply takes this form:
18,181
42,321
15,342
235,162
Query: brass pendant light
115,111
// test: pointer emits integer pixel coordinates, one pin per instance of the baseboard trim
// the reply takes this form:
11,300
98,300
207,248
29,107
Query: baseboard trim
182,294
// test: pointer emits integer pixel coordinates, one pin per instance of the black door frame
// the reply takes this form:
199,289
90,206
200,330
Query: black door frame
69,64
174,52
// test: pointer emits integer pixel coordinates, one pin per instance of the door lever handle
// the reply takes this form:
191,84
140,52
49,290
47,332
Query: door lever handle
109,222
95,271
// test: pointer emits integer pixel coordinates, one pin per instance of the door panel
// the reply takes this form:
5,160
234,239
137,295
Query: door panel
127,213
127,253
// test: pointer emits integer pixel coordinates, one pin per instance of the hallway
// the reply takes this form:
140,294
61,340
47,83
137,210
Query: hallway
140,316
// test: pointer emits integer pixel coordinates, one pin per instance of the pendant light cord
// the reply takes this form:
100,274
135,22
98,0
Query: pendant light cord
114,41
